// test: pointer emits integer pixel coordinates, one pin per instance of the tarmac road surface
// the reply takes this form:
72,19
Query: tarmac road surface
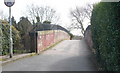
69,55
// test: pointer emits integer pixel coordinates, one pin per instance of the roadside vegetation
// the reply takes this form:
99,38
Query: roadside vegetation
18,45
103,31
105,26
40,20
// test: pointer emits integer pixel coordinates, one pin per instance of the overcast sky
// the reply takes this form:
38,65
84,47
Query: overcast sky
61,6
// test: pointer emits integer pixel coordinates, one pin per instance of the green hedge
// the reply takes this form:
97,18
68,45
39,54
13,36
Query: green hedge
105,25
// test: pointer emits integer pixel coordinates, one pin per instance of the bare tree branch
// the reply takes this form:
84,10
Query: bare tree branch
79,16
42,13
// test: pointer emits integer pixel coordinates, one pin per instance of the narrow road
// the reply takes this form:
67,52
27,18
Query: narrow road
69,55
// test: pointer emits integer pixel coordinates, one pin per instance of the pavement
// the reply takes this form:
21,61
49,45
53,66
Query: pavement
69,55
6,58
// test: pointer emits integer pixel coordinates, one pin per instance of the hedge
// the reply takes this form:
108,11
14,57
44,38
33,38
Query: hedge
105,26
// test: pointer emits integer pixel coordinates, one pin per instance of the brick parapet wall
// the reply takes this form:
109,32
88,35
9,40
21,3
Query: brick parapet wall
48,38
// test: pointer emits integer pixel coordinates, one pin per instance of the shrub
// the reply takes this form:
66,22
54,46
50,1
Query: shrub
5,38
105,25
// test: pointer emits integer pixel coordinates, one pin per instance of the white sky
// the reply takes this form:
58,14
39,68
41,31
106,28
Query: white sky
61,6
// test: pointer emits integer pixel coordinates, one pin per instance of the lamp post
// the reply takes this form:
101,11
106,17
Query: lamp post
10,3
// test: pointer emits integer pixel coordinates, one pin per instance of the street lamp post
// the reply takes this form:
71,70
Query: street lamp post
10,3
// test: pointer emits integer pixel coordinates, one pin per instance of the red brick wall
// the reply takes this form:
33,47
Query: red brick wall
48,38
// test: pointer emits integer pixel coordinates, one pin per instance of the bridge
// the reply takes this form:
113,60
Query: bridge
68,55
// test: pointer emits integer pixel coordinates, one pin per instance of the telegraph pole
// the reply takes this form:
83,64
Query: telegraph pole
10,3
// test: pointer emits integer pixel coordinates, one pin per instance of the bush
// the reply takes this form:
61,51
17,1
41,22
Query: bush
105,25
5,38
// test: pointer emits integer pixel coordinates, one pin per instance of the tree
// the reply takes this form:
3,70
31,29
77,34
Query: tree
25,26
46,22
81,15
41,14
14,22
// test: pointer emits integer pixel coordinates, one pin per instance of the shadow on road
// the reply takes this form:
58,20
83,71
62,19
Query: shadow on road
84,60
69,55
79,63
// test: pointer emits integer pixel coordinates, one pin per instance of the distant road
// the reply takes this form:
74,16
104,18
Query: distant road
77,38
69,55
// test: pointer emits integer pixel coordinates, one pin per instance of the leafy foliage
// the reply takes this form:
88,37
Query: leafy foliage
105,23
46,22
5,38
24,26
1,34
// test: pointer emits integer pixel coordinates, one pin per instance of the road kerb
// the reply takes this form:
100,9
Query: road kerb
17,58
